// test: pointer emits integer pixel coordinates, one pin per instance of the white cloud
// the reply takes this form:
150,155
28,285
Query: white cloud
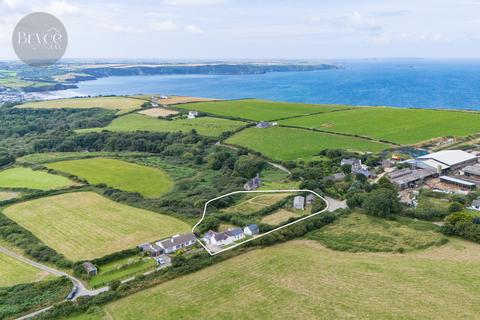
12,4
193,29
363,23
167,25
62,8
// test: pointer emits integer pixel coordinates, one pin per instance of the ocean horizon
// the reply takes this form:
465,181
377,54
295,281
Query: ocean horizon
415,83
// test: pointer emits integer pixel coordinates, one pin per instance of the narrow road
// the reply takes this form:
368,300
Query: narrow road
82,290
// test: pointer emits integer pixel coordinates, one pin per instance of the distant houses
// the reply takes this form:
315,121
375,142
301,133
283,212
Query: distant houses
251,229
192,114
90,268
177,242
265,124
253,184
224,238
169,245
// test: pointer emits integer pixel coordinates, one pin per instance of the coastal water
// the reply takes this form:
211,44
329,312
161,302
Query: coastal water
402,83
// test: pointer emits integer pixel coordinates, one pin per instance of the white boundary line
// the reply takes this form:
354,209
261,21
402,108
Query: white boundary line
263,234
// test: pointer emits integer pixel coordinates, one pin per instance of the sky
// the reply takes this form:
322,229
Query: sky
257,29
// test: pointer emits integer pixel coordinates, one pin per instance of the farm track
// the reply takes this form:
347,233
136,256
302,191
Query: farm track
82,290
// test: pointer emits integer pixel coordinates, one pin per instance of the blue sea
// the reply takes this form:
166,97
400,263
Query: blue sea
404,83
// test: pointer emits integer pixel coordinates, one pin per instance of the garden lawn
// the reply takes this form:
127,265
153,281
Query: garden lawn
206,126
30,179
359,232
304,280
85,225
150,182
14,272
260,110
122,104
398,125
298,144
279,216
252,203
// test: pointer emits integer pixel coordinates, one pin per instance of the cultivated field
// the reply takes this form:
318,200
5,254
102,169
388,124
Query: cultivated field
304,280
359,232
279,216
259,110
295,144
174,99
122,104
118,174
403,126
136,122
157,112
85,225
30,179
14,272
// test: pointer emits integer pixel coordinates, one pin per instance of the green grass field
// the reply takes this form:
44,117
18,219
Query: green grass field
14,272
118,174
253,203
122,104
403,126
304,280
296,144
206,126
122,269
259,110
359,232
85,225
30,179
279,216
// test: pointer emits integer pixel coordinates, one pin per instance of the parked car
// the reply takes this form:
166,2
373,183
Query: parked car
72,293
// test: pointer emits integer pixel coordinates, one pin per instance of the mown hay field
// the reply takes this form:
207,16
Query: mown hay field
304,280
260,110
30,179
402,126
150,182
85,225
206,126
298,144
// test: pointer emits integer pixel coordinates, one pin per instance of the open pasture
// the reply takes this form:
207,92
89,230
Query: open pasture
252,203
260,110
298,144
150,182
304,280
14,272
30,179
398,125
206,126
85,225
122,104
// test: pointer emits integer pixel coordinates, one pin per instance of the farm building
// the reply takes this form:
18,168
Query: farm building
357,167
224,238
446,160
253,184
475,205
90,268
472,170
177,242
251,230
408,178
309,199
458,182
299,202
151,249
192,114
154,104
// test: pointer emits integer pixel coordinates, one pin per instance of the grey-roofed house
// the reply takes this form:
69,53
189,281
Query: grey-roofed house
235,233
224,238
299,203
251,229
475,205
177,242
152,250
253,184
90,268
